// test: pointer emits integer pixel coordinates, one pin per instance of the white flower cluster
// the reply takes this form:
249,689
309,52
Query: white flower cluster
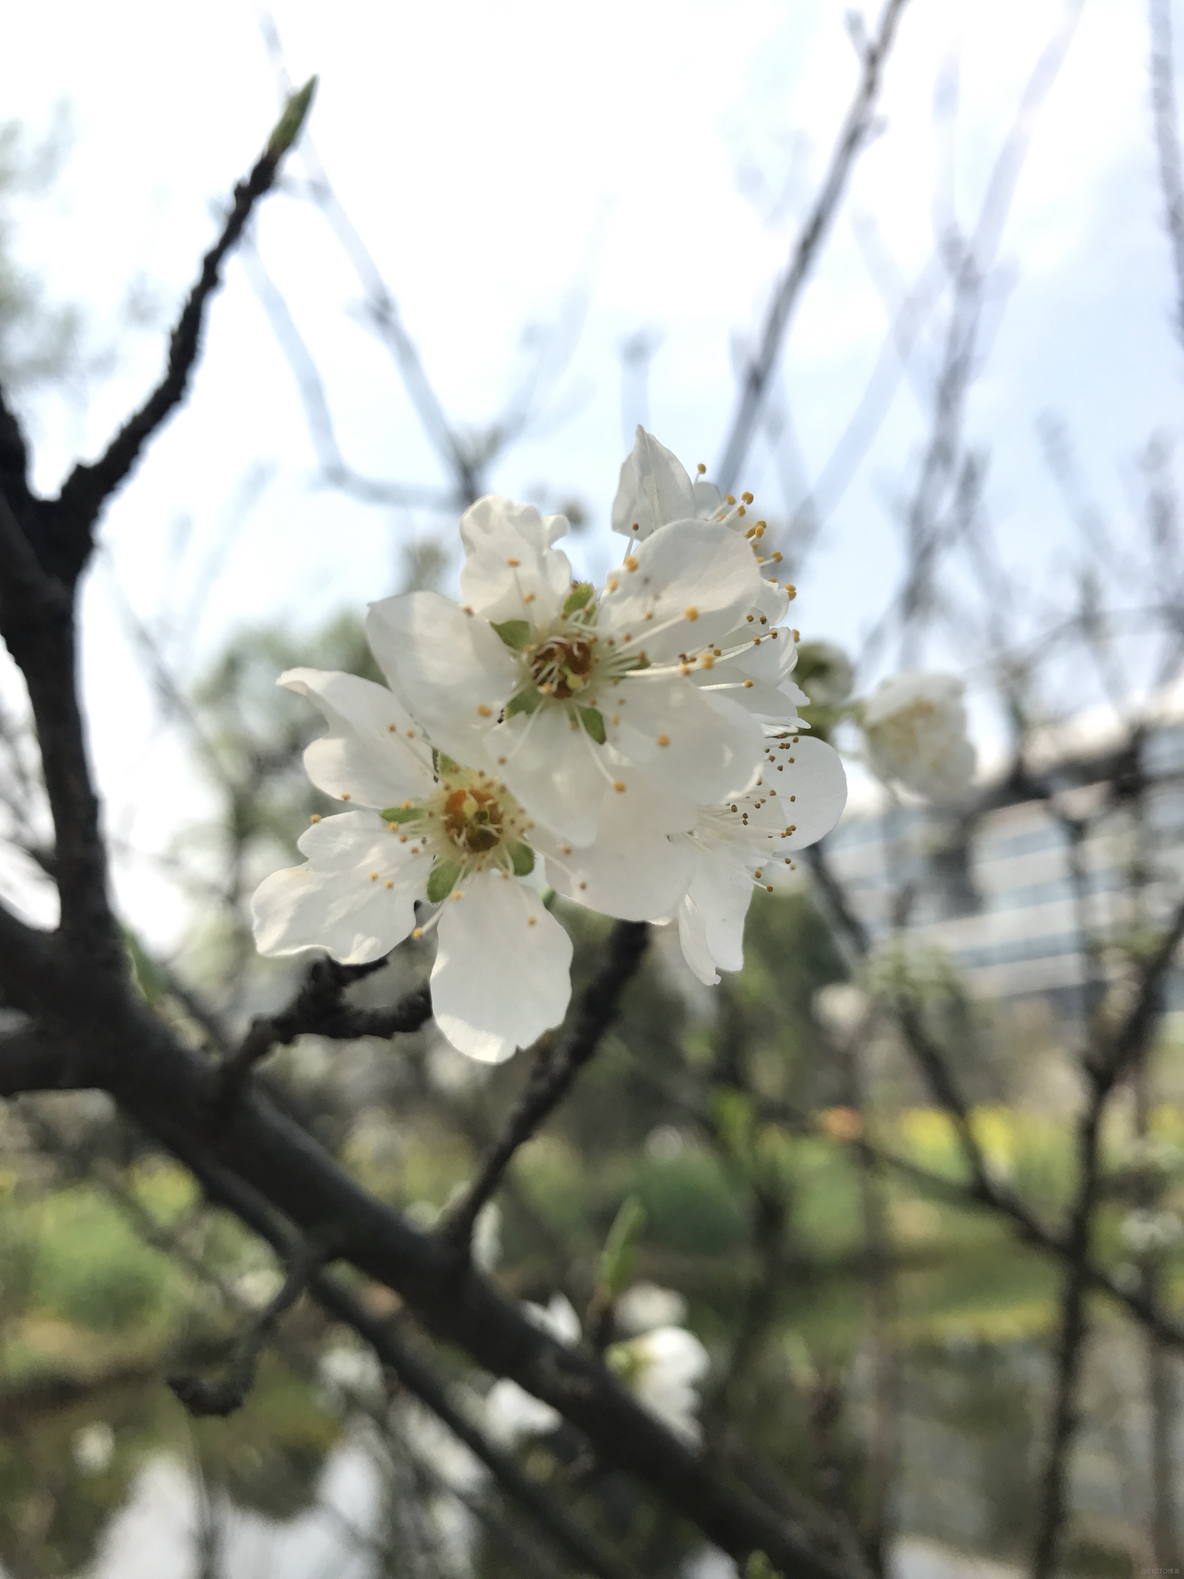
635,747
915,728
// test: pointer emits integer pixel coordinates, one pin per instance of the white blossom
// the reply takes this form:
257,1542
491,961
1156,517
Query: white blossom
644,1306
1149,1232
656,491
663,1369
92,1447
579,696
797,799
426,828
511,1413
915,728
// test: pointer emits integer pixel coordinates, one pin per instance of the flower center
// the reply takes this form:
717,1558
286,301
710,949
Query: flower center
469,822
563,664
473,819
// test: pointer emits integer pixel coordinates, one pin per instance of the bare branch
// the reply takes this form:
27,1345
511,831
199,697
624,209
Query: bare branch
851,139
89,486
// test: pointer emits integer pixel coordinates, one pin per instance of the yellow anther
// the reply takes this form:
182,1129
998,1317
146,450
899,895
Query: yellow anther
776,556
701,469
649,614
663,740
345,794
391,728
456,893
792,590
797,635
619,786
616,718
741,511
692,613
316,817
468,611
768,888
747,497
390,883
750,618
417,933
751,532
530,921
411,734
708,660
631,562
546,688
402,836
748,685
684,668
486,712
373,877
513,563
613,583
501,761
730,498
528,597
567,849
793,797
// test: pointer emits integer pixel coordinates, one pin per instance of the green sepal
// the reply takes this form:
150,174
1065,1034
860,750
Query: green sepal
616,1259
579,596
443,764
442,880
287,128
522,859
524,702
515,633
593,721
759,1567
401,813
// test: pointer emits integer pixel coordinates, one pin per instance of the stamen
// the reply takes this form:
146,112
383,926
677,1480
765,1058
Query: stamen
316,817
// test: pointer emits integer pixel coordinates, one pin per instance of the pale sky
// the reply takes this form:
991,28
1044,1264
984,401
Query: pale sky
499,157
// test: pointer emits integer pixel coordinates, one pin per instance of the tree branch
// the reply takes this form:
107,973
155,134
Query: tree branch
851,139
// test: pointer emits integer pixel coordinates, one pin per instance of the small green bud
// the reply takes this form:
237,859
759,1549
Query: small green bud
578,598
289,125
522,857
442,880
593,722
759,1567
401,813
515,633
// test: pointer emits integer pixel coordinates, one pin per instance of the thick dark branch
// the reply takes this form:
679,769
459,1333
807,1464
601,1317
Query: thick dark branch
851,139
89,487
32,1061
554,1072
164,1085
319,1009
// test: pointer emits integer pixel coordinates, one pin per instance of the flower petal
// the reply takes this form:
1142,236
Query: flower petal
511,571
720,889
367,755
808,794
653,490
633,870
333,902
696,580
697,745
501,975
552,769
453,671
692,935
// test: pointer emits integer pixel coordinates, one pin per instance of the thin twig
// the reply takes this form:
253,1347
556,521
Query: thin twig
851,139
553,1073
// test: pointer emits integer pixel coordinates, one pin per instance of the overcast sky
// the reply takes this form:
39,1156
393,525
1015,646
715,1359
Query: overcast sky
650,161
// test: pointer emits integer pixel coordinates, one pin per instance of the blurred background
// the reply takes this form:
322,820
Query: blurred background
510,234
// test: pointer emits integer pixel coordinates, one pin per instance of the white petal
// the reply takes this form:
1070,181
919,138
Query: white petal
552,769
633,870
454,672
653,490
817,780
511,571
712,746
720,890
367,755
511,1413
501,976
692,935
698,566
558,1318
332,902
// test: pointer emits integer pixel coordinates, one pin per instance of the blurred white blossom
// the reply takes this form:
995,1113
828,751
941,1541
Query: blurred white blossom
915,727
92,1447
663,1368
